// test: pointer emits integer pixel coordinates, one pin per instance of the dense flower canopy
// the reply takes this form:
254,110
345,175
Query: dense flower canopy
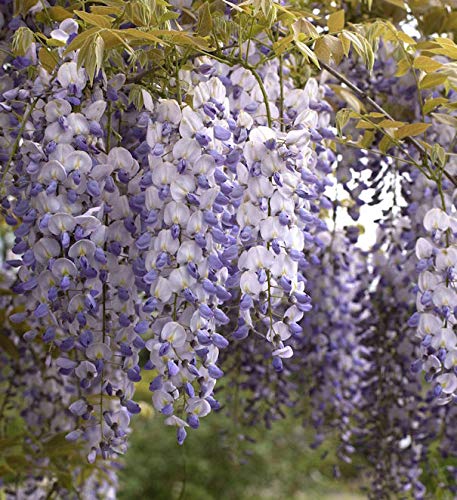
184,189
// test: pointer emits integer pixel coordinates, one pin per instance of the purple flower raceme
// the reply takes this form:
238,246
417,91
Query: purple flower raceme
152,243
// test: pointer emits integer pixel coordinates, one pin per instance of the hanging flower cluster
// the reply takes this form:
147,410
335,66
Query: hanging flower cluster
41,395
330,343
436,301
410,420
144,230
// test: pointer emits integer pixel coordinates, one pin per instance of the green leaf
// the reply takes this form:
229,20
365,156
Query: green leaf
336,21
9,443
342,118
411,130
22,40
438,155
79,41
431,104
59,14
307,52
432,80
205,20
58,446
426,64
95,19
48,59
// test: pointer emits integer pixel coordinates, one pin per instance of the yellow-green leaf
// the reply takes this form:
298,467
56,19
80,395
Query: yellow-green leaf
367,139
403,67
303,26
444,42
350,98
99,49
364,124
438,155
361,46
58,13
307,52
345,42
450,105
336,21
22,40
95,19
401,35
23,6
397,3
445,119
385,144
282,44
322,50
448,51
329,47
411,130
78,42
48,59
104,10
91,55
342,118
426,64
432,80
390,124
52,42
205,20
431,104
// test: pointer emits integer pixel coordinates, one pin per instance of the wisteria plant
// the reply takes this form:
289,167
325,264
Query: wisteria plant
248,206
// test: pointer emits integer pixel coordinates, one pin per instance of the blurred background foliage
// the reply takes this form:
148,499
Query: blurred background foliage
224,461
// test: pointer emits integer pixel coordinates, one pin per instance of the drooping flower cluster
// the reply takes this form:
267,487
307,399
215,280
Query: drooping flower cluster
436,301
393,397
330,347
146,229
37,396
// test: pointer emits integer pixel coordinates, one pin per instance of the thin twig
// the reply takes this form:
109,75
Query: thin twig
361,93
